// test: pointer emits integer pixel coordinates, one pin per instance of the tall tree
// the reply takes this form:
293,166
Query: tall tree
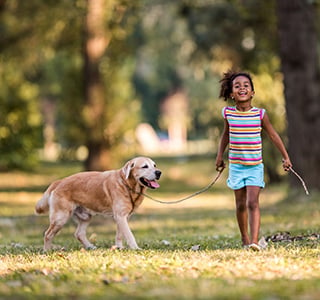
300,66
109,107
96,42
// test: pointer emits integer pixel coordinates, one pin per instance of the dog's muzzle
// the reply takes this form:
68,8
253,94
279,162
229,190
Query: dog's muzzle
152,184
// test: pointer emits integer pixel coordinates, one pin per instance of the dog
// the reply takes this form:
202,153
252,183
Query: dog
83,195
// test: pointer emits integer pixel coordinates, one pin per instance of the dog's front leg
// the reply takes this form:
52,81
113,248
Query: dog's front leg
123,230
119,237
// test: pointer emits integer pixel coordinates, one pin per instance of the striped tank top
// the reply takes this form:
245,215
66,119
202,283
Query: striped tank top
245,144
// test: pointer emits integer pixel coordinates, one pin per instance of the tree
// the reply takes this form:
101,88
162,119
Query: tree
300,66
96,42
108,107
42,59
20,120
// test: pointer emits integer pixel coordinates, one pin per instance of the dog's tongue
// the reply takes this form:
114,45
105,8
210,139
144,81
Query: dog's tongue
154,184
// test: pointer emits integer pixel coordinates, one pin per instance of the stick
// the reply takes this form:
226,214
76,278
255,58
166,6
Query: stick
303,183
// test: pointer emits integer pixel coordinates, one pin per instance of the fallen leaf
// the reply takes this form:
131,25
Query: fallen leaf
195,248
165,242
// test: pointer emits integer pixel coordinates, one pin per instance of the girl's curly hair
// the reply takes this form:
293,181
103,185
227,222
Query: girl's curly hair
226,83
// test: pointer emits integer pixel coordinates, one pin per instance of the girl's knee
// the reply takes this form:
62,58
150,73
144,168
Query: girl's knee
253,204
241,206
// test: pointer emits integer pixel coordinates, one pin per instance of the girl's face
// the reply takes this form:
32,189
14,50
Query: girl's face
241,89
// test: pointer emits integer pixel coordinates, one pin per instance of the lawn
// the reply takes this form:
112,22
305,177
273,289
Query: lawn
191,250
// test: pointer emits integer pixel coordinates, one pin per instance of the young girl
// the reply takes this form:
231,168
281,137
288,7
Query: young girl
242,132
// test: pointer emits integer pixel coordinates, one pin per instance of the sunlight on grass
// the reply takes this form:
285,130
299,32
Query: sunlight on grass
167,267
149,272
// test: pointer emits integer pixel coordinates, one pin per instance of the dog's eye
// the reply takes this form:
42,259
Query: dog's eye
145,167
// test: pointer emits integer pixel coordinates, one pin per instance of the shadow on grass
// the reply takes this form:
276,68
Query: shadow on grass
183,228
28,189
166,228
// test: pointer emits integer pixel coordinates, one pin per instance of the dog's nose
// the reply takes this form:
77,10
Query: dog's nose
158,174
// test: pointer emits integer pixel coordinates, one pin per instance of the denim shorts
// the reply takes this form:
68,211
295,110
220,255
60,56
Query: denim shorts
241,176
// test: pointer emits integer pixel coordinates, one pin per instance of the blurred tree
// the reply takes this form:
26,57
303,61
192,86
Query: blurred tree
96,42
42,61
168,45
300,64
20,121
159,35
166,63
105,26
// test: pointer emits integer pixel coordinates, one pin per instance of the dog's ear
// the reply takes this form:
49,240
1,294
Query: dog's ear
127,168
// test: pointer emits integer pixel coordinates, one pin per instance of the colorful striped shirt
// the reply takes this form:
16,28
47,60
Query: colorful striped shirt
245,144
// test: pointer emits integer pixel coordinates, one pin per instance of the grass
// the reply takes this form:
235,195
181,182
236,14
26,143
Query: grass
167,267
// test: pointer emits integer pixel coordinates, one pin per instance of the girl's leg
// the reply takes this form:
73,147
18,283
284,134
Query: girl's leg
242,214
254,212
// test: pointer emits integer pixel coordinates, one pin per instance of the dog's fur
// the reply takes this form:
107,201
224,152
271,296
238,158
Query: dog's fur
82,195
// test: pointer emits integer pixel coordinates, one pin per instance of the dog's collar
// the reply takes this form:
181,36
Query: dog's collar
130,191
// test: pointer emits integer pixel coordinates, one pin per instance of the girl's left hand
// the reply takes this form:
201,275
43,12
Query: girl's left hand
286,163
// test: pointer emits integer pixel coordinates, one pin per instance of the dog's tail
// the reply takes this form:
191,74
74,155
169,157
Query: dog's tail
42,205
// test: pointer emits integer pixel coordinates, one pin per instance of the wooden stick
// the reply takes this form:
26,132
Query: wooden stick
303,183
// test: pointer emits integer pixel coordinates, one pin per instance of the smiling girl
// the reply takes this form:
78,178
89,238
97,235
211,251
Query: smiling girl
242,132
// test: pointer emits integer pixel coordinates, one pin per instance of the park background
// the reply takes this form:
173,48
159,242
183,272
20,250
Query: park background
87,85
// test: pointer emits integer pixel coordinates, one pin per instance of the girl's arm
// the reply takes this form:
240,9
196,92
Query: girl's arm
275,138
224,141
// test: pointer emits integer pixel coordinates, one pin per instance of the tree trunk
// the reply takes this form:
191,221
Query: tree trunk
300,66
95,44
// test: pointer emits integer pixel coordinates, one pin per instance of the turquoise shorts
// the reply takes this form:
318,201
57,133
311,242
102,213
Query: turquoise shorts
241,176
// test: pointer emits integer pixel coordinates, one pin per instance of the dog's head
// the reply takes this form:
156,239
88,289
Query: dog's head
143,170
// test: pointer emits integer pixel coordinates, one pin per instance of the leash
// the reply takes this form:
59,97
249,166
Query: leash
208,187
300,178
190,196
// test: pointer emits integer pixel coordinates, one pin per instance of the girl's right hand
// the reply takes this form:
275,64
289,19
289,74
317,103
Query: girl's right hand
220,165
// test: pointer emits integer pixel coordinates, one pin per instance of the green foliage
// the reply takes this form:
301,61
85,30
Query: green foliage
68,99
28,42
44,54
155,49
20,121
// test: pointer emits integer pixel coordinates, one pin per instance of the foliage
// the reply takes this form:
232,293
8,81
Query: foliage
43,54
28,40
156,47
20,127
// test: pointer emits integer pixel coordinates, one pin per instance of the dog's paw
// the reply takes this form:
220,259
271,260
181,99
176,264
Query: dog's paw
115,247
136,248
91,247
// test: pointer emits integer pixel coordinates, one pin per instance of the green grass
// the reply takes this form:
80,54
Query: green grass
220,269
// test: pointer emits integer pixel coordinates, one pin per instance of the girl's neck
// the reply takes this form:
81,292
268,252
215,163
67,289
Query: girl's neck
245,106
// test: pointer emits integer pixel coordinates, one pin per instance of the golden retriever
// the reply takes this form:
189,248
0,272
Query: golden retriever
82,195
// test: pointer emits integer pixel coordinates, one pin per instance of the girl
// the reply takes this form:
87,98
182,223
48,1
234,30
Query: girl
242,132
